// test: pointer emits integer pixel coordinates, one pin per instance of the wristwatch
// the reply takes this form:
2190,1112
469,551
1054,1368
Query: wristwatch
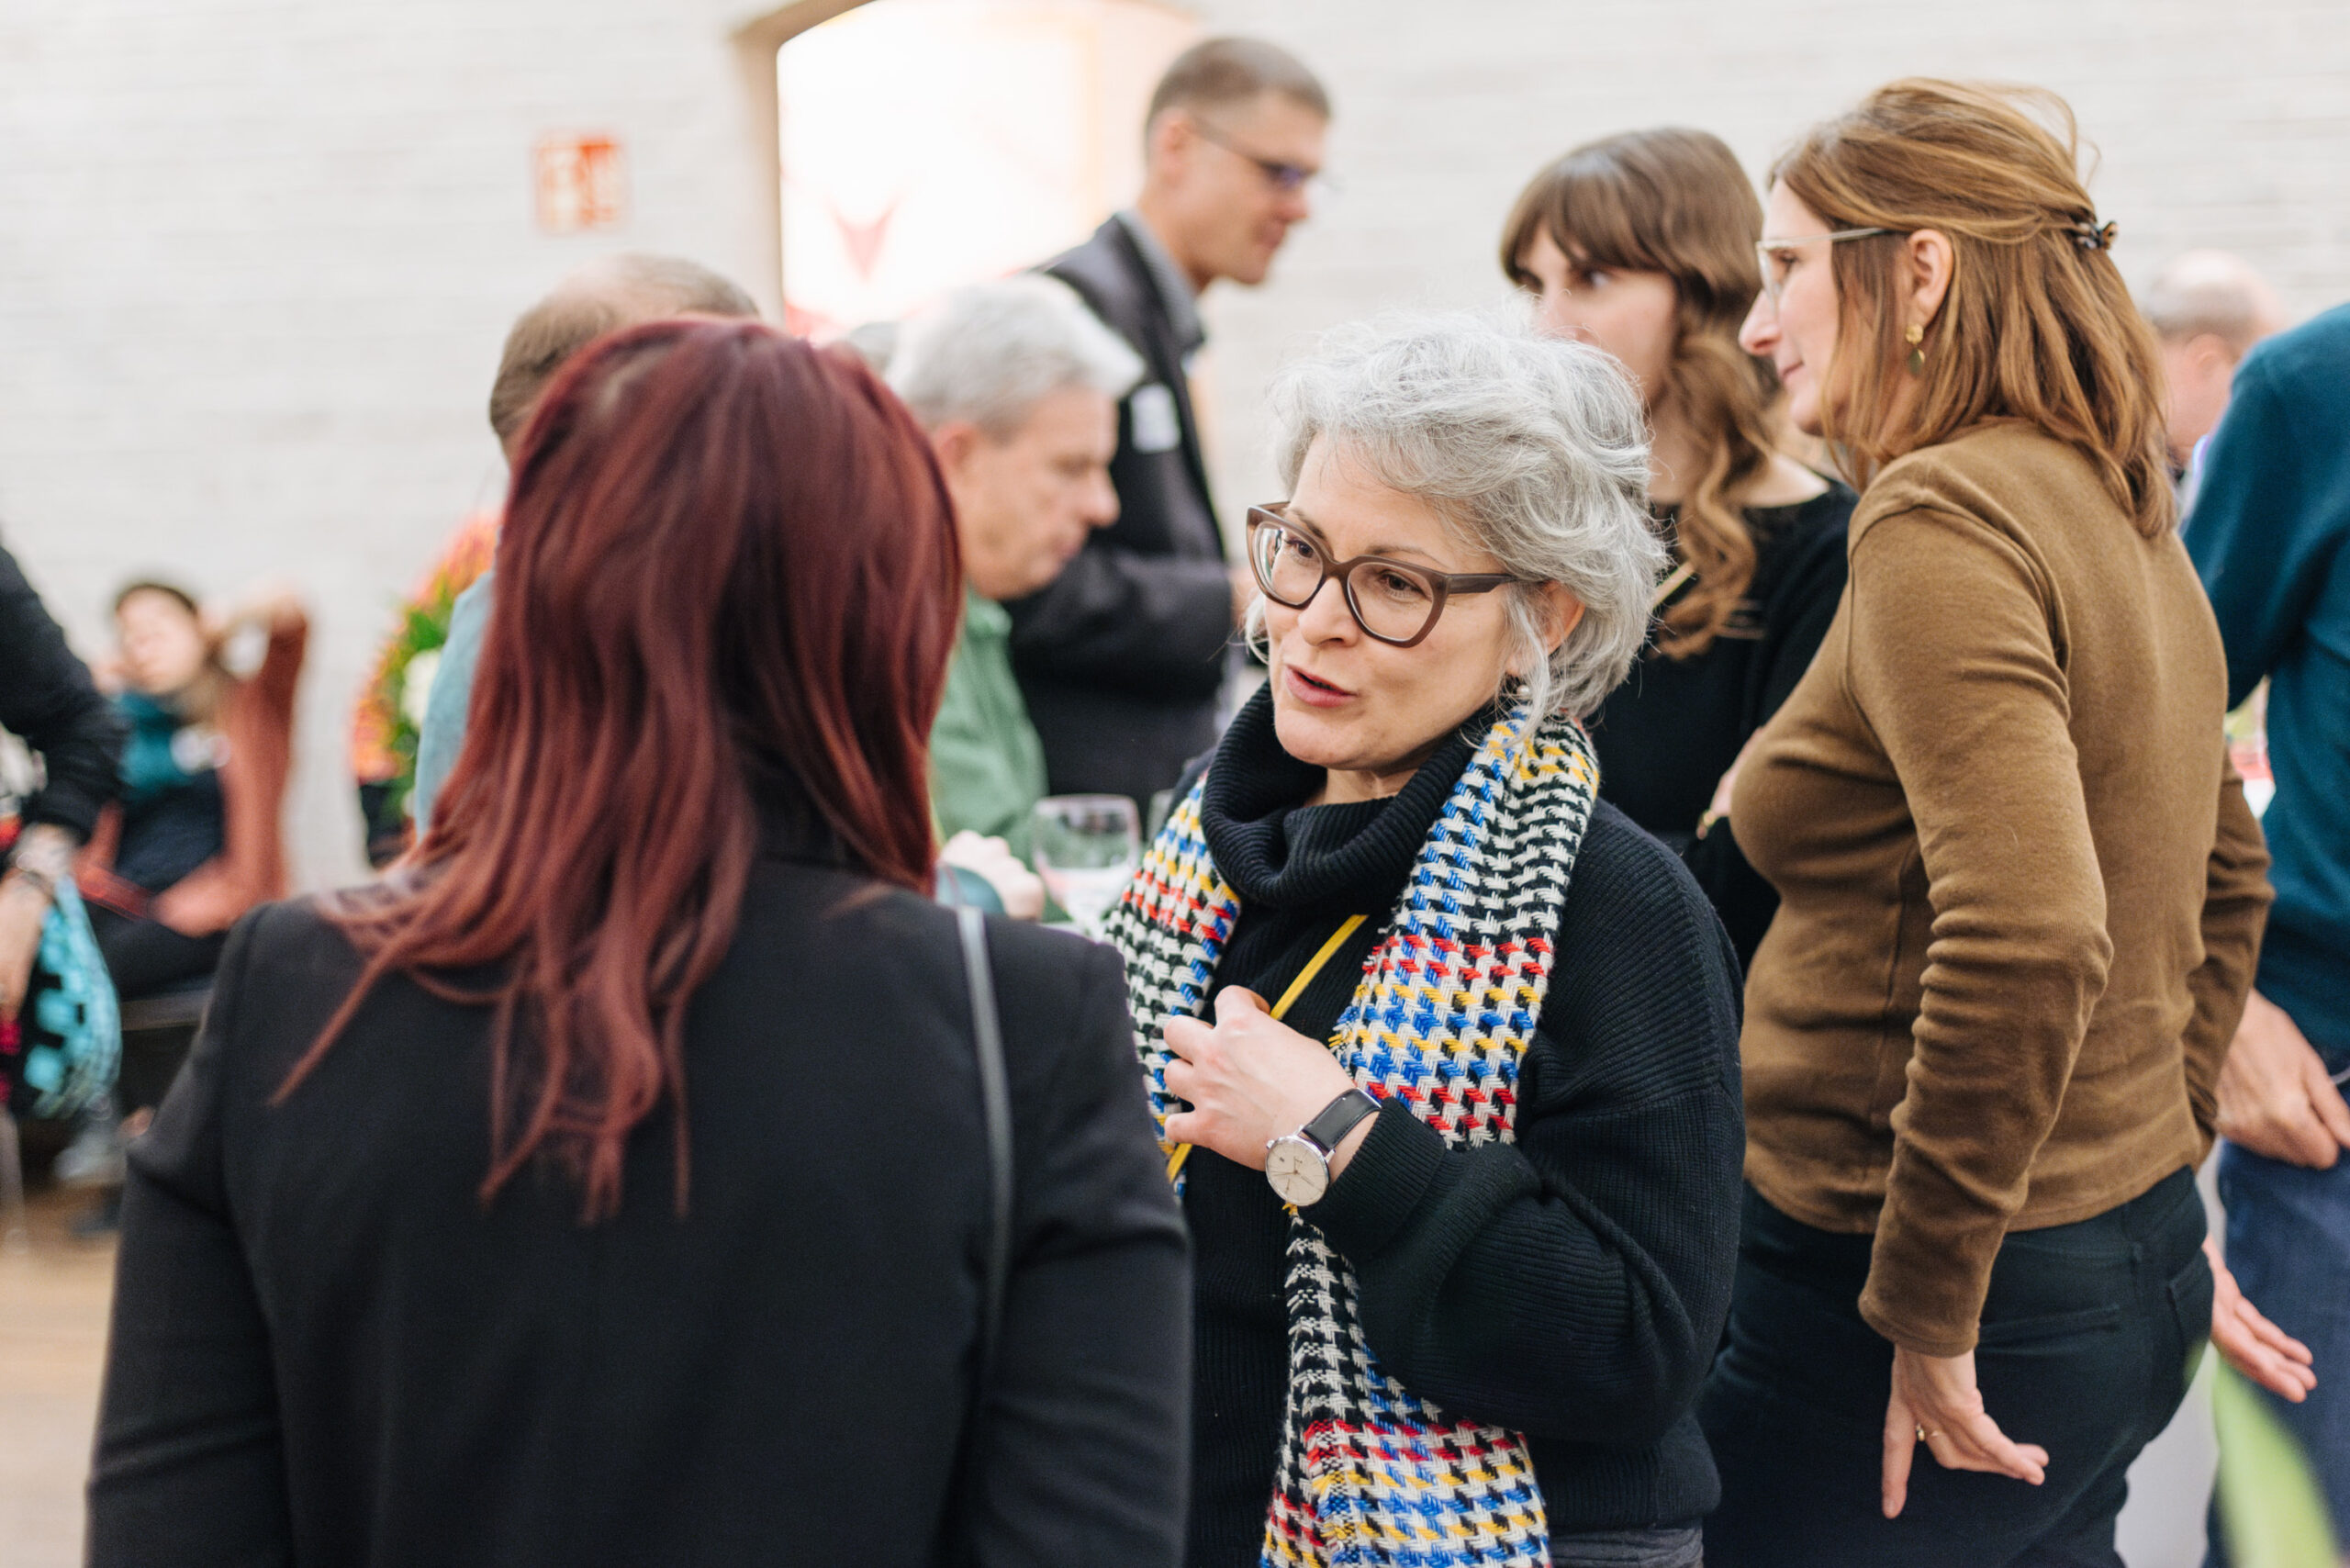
1298,1163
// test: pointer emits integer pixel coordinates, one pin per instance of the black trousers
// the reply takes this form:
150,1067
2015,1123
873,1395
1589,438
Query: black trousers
145,956
2091,1335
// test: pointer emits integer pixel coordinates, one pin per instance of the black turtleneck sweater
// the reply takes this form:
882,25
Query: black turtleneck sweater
1571,1286
1666,737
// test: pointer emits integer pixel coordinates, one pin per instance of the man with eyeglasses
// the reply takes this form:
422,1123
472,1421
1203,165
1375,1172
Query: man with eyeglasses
1123,658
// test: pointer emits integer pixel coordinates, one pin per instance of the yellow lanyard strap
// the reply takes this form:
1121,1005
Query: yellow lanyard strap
1182,1151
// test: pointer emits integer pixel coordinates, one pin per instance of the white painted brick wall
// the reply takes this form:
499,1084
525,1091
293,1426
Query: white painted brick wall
256,256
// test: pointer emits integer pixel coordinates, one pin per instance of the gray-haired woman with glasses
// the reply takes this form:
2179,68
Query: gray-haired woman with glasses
1460,1148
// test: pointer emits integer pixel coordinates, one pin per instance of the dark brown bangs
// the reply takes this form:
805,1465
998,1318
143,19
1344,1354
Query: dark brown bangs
1581,202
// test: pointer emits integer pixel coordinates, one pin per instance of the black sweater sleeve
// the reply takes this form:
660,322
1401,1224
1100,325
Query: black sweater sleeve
46,701
1080,1441
1574,1284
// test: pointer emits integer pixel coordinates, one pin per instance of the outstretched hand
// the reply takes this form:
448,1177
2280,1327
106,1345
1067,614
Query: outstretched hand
1936,1396
2247,1342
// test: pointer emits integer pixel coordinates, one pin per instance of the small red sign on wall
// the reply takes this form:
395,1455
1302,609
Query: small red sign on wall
582,183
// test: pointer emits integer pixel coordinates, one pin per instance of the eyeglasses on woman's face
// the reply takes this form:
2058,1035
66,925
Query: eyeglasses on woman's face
1394,602
1778,256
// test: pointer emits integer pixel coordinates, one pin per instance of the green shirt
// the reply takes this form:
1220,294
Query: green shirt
986,766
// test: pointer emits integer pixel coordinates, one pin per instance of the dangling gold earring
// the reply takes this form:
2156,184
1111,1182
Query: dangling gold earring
1916,336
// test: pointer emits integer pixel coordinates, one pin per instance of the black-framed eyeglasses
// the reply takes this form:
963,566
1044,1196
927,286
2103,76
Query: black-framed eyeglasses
1289,179
1394,602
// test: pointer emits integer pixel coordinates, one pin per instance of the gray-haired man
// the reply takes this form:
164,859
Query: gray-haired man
1018,386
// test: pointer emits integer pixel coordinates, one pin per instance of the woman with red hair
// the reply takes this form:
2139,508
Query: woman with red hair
614,1184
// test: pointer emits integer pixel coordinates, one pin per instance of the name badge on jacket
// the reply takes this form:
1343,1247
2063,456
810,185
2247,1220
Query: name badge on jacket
1152,419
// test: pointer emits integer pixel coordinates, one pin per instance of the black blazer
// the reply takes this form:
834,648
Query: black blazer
327,1349
1122,658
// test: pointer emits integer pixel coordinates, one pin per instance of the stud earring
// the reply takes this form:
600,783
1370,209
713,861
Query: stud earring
1916,337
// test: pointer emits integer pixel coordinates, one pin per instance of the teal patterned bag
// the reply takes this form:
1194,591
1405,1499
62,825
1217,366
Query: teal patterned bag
69,1034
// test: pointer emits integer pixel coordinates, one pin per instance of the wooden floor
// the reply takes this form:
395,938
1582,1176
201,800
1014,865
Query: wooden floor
53,1341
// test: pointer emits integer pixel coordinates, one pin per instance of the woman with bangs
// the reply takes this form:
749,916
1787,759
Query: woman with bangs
1643,245
613,1185
2020,891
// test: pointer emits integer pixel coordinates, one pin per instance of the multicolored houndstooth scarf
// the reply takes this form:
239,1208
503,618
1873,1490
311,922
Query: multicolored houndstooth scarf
1369,1474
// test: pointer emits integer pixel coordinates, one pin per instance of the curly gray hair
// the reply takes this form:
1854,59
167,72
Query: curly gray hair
1533,450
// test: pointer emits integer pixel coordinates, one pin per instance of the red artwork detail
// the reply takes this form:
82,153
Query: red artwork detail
582,183
864,241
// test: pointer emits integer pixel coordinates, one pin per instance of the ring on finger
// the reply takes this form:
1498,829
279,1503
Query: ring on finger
1926,1437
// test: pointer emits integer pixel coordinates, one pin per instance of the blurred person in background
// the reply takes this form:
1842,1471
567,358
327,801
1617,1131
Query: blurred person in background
2270,534
468,1237
2208,309
49,702
1643,244
2021,891
197,836
1461,1267
1124,657
198,839
1018,386
403,741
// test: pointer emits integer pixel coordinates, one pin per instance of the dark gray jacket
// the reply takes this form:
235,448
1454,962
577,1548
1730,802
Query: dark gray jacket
1120,660
327,1349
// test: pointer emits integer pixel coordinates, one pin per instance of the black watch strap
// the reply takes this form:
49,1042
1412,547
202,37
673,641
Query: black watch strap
1338,1118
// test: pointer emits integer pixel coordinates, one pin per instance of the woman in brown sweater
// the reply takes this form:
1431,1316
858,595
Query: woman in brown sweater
2020,893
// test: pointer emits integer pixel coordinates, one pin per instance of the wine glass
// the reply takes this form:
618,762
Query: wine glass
1086,847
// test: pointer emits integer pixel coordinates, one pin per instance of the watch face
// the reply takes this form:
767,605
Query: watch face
1297,1170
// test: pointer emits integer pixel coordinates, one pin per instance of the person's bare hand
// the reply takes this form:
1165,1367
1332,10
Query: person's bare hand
1021,889
2247,1342
1936,1395
2274,1097
1249,1080
23,905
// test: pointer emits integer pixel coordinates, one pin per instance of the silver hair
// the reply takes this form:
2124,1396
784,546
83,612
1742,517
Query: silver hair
990,353
1532,449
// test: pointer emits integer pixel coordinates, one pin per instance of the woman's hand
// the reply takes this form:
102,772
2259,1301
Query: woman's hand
23,905
46,851
1250,1081
2250,1343
1936,1395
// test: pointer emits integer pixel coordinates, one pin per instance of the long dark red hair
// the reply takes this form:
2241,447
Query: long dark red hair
726,595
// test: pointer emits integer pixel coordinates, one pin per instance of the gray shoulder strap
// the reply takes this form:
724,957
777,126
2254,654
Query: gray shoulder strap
995,1103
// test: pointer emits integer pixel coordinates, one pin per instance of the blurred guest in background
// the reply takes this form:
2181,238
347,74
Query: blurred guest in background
2020,890
404,740
1643,244
2270,533
49,702
510,1265
1124,657
1460,1269
1018,386
2208,309
198,839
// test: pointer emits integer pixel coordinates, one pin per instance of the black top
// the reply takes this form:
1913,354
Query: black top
46,701
327,1349
1570,1286
1666,737
1121,659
